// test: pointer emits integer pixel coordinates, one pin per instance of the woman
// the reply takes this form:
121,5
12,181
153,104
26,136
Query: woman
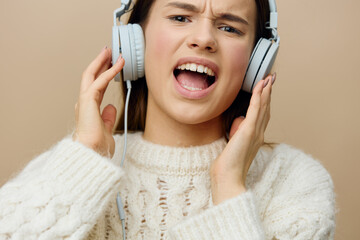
181,178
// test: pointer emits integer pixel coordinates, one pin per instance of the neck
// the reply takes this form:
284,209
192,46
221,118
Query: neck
165,130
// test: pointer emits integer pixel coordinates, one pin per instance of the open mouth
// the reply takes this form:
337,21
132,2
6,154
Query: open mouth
194,77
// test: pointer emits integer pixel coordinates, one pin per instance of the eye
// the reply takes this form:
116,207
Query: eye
231,30
179,18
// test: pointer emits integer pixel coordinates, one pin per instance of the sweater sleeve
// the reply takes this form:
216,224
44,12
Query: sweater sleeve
293,199
236,218
59,195
301,201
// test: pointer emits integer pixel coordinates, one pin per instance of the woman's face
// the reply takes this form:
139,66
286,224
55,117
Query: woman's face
184,39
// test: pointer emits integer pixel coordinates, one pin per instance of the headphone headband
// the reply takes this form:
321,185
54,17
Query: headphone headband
125,4
272,6
273,22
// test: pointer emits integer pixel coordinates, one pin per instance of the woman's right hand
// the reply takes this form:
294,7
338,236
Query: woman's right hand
93,128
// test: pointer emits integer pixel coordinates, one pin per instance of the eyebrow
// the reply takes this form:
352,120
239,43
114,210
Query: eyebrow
193,8
185,6
233,18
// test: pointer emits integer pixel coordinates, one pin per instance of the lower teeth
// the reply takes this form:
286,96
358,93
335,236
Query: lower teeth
191,88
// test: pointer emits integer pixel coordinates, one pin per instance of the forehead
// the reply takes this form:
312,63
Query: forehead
246,8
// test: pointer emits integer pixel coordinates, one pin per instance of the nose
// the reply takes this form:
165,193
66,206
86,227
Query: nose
202,37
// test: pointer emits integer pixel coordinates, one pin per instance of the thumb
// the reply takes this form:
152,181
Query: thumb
235,125
108,116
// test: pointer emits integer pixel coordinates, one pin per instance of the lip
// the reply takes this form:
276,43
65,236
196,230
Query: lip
200,93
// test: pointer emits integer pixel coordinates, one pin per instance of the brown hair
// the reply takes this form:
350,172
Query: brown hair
139,92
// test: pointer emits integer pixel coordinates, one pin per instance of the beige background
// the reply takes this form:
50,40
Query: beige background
46,44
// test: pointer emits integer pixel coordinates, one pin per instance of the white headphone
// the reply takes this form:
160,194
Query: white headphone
129,40
264,53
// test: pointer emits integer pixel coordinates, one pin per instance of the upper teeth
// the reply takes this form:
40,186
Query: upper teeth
196,68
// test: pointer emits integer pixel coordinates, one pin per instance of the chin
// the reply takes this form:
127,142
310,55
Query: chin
194,116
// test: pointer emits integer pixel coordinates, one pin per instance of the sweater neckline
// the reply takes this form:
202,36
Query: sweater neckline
169,160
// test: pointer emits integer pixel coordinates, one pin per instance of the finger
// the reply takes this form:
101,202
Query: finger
264,102
105,66
108,116
265,120
268,88
103,80
267,98
254,106
91,71
76,112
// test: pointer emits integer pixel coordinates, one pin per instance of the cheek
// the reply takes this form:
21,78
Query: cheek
157,41
156,44
237,60
158,53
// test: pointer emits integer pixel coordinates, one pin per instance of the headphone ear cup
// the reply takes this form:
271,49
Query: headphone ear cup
139,50
115,48
129,40
257,57
126,51
268,62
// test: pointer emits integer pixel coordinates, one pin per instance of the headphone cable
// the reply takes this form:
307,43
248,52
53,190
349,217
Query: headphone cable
119,203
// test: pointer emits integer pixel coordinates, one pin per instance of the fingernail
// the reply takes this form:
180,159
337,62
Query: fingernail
119,58
266,82
273,78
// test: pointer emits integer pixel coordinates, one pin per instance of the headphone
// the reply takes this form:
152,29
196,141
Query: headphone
129,40
263,56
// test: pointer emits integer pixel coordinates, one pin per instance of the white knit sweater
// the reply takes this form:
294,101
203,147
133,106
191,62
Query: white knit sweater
69,192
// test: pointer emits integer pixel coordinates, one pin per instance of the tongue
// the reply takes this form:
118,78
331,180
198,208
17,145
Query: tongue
192,79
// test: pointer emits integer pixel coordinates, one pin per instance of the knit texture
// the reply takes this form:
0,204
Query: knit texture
69,193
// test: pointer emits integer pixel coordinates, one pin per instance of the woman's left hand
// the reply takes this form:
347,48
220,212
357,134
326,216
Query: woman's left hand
228,172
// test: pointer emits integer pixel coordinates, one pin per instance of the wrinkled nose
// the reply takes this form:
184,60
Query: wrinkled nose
202,37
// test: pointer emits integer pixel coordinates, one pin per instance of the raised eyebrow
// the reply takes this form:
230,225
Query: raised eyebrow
233,18
185,6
